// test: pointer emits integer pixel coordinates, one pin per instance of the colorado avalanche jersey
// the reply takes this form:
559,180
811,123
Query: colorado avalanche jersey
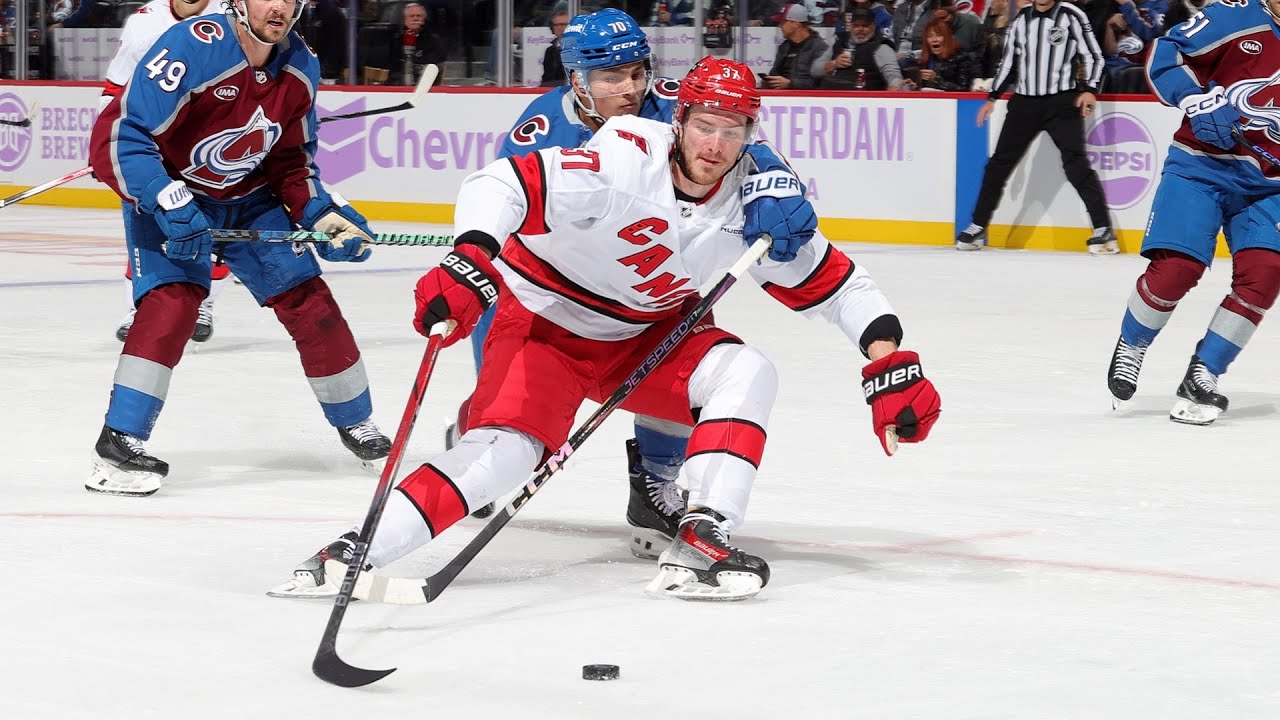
1234,44
552,120
599,244
195,110
140,32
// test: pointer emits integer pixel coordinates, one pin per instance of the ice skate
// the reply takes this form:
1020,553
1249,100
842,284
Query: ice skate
1199,402
204,321
971,238
122,331
368,444
311,579
121,466
1122,376
1102,242
700,564
654,509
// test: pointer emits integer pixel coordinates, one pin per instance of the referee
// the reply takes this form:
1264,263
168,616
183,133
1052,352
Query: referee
1045,41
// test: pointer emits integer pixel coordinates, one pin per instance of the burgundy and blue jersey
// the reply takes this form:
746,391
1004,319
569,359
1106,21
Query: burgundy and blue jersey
196,110
552,119
1233,44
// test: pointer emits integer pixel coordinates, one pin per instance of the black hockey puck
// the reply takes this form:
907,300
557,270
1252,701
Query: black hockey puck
600,672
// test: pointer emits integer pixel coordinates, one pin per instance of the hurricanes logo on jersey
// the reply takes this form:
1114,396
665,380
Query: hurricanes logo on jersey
1256,99
224,159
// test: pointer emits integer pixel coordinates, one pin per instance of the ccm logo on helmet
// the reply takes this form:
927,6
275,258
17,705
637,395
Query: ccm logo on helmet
206,31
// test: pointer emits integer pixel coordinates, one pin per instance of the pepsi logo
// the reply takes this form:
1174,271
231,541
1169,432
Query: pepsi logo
1253,47
206,31
1124,155
226,92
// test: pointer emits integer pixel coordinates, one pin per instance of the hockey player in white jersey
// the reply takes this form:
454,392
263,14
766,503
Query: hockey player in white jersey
604,247
140,32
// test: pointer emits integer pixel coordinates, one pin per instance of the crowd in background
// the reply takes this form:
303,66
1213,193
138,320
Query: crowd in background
876,44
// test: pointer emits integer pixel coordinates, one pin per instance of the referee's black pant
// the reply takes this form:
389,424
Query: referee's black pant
1027,116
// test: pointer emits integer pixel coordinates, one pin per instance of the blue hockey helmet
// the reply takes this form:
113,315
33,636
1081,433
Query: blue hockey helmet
603,39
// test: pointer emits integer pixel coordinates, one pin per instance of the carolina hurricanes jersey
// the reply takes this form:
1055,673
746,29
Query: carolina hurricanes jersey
140,32
196,110
552,119
599,244
1232,43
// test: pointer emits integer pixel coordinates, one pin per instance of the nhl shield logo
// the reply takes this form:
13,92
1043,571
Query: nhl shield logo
1057,36
226,158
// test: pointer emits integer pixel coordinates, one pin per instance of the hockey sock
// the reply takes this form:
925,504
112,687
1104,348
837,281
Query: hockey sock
662,445
1168,278
1255,282
330,358
165,318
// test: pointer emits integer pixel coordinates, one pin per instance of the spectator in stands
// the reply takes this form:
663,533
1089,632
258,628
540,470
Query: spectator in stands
1125,54
944,65
1181,11
761,12
324,28
553,73
1098,12
414,47
909,15
1145,19
995,25
798,64
883,16
89,14
966,28
861,59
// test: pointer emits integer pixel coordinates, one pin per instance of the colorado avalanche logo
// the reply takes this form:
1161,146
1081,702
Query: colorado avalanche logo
527,132
224,159
666,88
1256,100
206,31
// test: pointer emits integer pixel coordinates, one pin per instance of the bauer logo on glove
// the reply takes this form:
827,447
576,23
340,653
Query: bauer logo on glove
775,183
904,404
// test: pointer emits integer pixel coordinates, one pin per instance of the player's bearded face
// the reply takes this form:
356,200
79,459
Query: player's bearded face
710,143
618,90
270,18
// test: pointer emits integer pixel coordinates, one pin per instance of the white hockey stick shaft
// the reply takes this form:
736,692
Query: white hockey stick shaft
32,192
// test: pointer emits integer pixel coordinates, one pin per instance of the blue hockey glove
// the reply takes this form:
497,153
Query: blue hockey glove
1212,116
185,228
348,228
774,203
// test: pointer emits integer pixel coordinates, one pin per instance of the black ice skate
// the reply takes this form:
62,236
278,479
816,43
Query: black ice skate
367,443
1102,242
1199,402
121,466
700,564
655,507
971,238
204,321
310,579
1122,376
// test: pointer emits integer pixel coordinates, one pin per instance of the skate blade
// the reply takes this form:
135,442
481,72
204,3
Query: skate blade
1191,413
683,583
647,543
373,467
107,479
1107,248
1117,404
961,245
300,588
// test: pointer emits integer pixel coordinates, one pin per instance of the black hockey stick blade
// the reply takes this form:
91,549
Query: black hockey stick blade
429,74
26,121
1237,132
334,670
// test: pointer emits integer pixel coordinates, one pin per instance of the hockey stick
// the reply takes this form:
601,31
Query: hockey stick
327,665
31,192
428,79
303,236
1237,132
411,591
25,122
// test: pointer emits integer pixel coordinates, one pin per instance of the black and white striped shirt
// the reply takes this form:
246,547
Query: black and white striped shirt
1040,49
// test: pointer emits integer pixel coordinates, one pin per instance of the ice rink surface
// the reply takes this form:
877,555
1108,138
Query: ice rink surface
1038,557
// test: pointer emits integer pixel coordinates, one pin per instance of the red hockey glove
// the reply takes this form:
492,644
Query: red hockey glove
904,405
461,288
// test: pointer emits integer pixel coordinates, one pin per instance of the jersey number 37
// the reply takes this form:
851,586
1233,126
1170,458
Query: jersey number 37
172,71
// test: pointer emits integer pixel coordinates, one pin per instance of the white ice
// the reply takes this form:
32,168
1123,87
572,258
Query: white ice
1038,557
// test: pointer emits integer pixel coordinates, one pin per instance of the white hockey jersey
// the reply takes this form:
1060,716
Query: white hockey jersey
141,31
599,244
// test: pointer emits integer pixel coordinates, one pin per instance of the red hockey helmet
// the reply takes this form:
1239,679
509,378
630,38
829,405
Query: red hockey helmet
720,84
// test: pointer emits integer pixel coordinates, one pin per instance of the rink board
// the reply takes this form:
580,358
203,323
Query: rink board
887,167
